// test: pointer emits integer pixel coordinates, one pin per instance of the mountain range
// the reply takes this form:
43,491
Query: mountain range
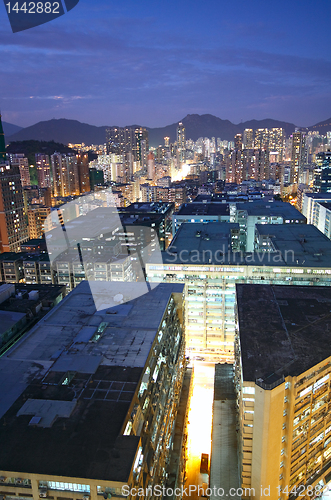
65,131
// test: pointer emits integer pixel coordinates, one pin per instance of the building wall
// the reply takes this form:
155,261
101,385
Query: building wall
210,297
13,227
288,441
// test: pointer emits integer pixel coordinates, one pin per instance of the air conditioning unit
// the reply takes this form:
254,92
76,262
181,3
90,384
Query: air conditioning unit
86,497
42,492
18,480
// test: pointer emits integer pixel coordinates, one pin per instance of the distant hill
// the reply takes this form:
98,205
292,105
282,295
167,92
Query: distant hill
210,126
10,129
195,126
62,131
322,127
65,131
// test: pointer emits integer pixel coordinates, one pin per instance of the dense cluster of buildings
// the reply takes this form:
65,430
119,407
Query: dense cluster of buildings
182,252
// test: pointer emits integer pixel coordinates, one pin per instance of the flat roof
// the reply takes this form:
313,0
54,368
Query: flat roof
11,256
75,431
149,207
284,330
210,198
201,237
23,305
271,208
310,247
204,209
8,319
326,205
318,196
296,245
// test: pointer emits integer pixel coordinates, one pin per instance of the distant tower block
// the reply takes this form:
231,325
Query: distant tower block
181,146
166,142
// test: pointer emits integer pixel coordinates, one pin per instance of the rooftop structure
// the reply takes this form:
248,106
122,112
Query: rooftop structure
272,209
298,245
264,212
200,212
202,256
20,307
89,389
37,245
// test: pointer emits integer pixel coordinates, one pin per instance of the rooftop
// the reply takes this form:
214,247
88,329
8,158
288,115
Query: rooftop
204,209
297,245
21,304
318,196
204,238
271,208
145,207
326,205
284,330
310,247
65,396
11,256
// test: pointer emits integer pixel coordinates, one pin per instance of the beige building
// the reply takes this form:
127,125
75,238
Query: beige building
283,373
37,216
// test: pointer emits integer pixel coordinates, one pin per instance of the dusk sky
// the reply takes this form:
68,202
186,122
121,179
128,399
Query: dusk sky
153,62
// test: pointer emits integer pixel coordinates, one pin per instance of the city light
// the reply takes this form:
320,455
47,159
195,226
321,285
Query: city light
200,418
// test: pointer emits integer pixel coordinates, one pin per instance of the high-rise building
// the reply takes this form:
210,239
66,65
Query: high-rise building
151,165
13,227
20,161
261,165
107,420
65,175
3,156
238,141
277,142
283,372
83,172
181,144
261,138
298,156
37,216
322,173
43,170
248,140
122,140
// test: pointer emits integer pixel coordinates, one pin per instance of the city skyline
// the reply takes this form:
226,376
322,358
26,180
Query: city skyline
151,64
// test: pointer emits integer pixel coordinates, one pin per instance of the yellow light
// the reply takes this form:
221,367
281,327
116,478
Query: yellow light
200,413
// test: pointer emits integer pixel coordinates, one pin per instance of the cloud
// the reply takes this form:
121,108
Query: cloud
124,63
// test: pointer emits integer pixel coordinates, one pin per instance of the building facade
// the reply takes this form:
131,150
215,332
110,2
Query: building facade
201,257
283,371
109,419
13,225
